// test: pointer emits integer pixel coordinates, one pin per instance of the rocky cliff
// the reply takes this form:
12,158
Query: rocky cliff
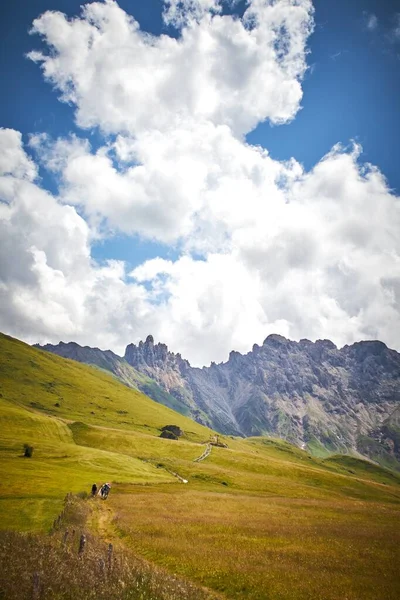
313,394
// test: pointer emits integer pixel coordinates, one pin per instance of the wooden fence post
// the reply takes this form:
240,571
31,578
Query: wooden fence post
35,586
65,538
102,567
110,556
82,543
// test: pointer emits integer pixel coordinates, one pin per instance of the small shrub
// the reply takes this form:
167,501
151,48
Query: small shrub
169,435
177,431
28,450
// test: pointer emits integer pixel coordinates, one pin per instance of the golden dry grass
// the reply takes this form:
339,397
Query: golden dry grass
258,547
39,567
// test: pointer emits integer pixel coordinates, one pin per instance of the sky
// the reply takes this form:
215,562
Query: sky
206,171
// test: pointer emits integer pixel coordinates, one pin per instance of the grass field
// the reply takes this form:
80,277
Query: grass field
260,547
259,519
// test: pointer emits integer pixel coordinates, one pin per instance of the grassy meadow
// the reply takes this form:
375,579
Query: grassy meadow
259,519
260,547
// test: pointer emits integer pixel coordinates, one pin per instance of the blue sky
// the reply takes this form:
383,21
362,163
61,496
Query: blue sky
350,93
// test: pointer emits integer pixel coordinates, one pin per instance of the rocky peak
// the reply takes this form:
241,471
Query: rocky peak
275,340
149,354
68,344
234,355
327,344
367,348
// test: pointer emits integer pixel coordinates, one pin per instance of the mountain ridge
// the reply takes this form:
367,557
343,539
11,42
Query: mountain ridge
312,394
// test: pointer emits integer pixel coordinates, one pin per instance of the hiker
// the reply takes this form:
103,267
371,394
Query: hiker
94,490
104,490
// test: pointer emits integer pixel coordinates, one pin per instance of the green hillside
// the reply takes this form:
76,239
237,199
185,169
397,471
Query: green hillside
257,519
66,389
40,396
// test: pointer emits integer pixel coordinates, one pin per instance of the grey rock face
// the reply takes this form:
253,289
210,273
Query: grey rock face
169,371
312,394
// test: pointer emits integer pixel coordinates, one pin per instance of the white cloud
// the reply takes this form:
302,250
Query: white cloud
49,286
396,28
264,246
323,263
13,159
175,186
224,70
370,21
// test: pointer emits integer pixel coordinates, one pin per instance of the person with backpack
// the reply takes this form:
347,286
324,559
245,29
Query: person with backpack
105,490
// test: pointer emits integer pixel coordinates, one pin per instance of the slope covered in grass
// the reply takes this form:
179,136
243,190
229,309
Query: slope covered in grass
64,388
40,396
32,489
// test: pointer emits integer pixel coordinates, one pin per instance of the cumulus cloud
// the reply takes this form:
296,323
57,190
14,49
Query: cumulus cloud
221,69
49,286
13,159
310,265
264,246
186,186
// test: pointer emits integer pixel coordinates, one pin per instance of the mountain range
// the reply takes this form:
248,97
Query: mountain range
314,395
